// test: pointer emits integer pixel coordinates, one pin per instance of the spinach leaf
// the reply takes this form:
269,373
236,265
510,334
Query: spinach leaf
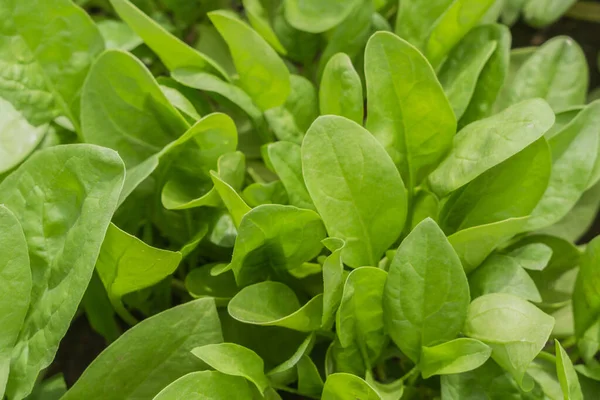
408,111
355,187
586,298
158,352
317,16
273,240
453,357
567,374
208,385
286,160
543,12
15,272
485,143
534,256
63,197
260,20
232,359
341,89
262,74
173,52
514,329
310,382
333,280
426,294
275,304
342,386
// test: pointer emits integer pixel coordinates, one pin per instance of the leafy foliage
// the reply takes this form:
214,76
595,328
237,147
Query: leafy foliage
366,199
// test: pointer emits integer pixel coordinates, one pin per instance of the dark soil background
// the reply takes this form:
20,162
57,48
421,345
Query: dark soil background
82,345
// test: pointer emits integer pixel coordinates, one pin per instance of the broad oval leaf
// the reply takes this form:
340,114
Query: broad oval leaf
355,187
275,304
453,357
317,16
15,275
515,330
567,375
342,386
409,113
262,74
158,352
236,360
64,198
557,72
173,52
360,318
426,294
485,143
207,385
341,89
286,159
274,239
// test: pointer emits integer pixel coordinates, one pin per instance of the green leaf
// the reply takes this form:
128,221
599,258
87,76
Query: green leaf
258,193
262,74
534,256
360,317
490,197
15,274
538,13
557,72
274,239
567,374
426,294
487,142
275,304
99,311
206,385
355,187
586,298
425,205
286,372
232,200
474,72
286,159
309,379
236,360
574,152
158,352
474,244
173,52
123,108
126,264
118,35
317,16
515,330
387,391
47,50
502,274
64,197
291,120
201,283
409,113
333,280
341,89
453,357
260,20
342,386
18,138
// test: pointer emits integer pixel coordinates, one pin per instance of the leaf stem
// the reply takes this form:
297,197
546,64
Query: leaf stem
547,357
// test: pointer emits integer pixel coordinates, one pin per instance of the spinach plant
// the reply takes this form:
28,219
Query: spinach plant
346,200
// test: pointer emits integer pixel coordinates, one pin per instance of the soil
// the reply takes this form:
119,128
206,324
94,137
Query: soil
82,345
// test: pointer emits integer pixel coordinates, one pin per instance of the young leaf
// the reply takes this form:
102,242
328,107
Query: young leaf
259,193
360,318
259,19
475,70
64,198
341,90
118,35
206,385
453,357
426,294
502,274
317,16
126,264
286,372
286,159
274,239
158,352
15,275
309,379
408,111
514,329
574,153
262,74
49,49
567,374
355,187
232,200
487,142
557,72
333,280
534,256
173,52
342,386
236,360
275,304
